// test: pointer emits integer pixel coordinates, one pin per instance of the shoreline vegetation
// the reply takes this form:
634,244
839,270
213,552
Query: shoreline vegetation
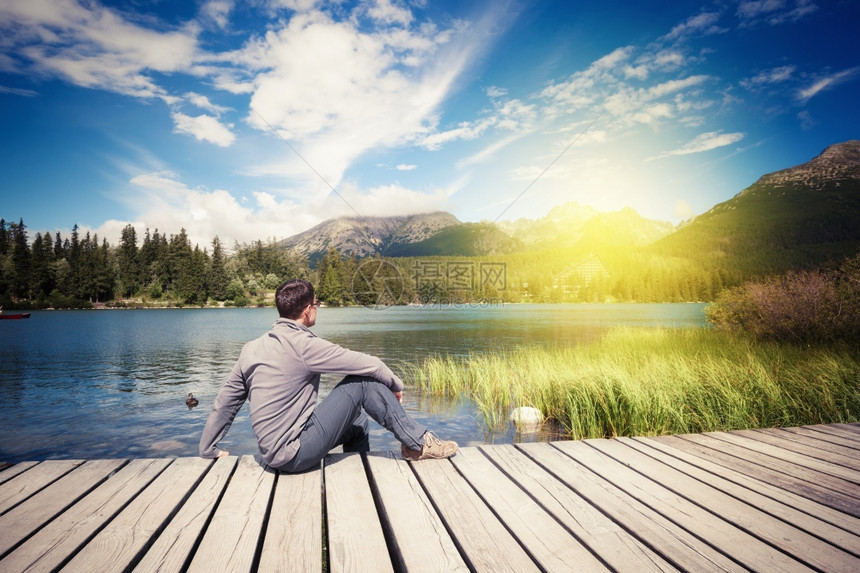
650,382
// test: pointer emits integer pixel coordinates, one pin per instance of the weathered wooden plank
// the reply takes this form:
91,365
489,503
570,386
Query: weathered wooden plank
11,471
723,535
606,539
792,456
550,544
355,538
118,544
293,539
822,488
850,443
22,486
421,542
752,488
835,430
816,446
21,521
232,537
853,427
485,543
172,549
804,547
52,545
675,544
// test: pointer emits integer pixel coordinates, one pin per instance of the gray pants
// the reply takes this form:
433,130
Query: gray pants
339,420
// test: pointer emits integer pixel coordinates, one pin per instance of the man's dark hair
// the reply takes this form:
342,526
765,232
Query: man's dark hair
293,297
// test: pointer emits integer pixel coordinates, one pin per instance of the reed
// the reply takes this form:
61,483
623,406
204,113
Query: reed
646,382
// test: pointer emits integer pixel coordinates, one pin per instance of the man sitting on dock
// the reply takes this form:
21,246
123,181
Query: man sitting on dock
280,374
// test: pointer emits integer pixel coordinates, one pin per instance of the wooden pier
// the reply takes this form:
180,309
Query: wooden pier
777,500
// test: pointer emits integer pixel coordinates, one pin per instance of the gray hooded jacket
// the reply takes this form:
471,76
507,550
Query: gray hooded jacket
279,373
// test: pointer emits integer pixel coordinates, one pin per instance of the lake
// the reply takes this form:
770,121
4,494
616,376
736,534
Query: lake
104,384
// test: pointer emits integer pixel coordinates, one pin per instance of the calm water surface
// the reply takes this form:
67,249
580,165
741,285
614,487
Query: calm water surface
100,384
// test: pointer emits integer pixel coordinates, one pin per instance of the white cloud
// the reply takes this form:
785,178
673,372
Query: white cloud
204,128
706,142
807,122
384,201
826,83
506,115
163,202
404,167
166,203
341,92
296,5
217,11
768,77
203,103
757,8
700,24
93,46
773,12
386,12
18,91
630,103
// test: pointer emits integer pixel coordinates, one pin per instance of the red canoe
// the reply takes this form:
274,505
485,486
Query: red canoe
5,316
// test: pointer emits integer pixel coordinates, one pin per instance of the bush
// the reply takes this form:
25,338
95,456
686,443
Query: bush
806,306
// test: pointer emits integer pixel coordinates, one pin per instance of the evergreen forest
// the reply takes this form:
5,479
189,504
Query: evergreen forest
48,270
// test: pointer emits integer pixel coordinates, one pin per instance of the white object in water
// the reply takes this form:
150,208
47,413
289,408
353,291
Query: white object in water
526,417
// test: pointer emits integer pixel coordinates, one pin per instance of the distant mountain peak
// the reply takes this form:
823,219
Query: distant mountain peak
367,236
837,162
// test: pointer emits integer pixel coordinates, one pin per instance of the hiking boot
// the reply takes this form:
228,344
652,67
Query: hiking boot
434,449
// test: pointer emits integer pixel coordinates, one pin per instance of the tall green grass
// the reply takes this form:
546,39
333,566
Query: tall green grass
646,382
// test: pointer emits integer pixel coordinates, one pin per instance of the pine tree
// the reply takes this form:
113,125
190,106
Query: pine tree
21,261
191,285
42,254
4,238
128,263
74,259
331,283
218,279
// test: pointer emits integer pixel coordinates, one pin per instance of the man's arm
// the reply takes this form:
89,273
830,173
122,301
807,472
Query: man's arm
227,404
322,356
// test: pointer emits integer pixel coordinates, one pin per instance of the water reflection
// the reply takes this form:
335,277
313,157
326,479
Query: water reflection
88,384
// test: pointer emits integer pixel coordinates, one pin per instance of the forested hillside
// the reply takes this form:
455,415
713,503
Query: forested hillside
159,270
803,217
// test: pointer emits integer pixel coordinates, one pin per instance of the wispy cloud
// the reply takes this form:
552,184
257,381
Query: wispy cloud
768,77
704,142
18,91
828,82
704,23
204,128
773,12
93,46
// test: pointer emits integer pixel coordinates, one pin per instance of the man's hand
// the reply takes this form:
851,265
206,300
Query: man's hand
399,396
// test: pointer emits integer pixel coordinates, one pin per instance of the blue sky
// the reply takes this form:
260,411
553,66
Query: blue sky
258,119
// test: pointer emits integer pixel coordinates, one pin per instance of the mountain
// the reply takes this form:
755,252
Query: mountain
442,234
573,224
367,236
801,217
464,240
